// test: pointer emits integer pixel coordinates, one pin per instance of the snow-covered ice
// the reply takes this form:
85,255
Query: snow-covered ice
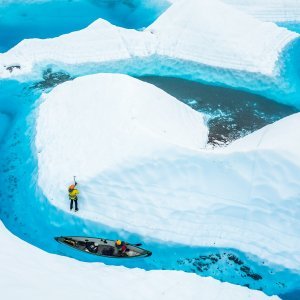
269,10
142,167
128,119
211,36
140,155
203,44
40,275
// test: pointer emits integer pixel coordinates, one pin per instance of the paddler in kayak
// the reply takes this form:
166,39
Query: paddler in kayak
121,246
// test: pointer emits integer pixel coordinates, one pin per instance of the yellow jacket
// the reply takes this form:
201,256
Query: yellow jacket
73,194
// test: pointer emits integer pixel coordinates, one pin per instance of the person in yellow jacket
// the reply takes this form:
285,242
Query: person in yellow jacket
73,192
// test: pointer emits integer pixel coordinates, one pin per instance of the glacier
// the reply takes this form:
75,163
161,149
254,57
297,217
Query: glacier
19,176
131,163
147,151
221,54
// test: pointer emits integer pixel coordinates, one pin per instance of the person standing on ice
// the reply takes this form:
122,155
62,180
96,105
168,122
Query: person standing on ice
73,192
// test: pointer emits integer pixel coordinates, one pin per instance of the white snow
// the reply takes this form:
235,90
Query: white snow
207,32
121,111
270,10
29,273
99,42
137,154
215,34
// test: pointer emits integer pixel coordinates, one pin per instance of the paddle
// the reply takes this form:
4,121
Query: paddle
136,245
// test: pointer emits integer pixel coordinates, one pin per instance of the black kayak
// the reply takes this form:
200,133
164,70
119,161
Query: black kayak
102,247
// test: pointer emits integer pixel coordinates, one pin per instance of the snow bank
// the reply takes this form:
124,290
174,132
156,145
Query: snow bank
127,120
99,42
29,273
269,10
206,43
216,36
137,154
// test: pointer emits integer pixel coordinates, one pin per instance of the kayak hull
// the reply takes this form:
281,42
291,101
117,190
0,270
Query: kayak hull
101,247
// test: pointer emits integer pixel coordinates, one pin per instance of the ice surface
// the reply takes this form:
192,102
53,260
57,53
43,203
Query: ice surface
29,273
269,10
220,40
130,119
148,176
204,44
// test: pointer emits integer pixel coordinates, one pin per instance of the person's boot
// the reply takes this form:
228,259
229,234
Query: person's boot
76,209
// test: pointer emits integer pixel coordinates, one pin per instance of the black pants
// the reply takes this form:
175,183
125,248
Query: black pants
71,203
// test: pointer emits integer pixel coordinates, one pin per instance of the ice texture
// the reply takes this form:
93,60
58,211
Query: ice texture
269,10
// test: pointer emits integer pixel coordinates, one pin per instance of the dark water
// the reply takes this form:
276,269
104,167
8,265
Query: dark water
231,114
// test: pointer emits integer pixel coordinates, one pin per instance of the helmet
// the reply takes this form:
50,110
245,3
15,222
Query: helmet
72,187
118,242
96,244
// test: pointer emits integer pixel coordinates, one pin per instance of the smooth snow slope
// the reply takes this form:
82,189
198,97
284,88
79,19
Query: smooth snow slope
269,10
128,120
141,168
29,273
203,44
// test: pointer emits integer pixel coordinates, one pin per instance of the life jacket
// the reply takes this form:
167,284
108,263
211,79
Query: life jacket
122,247
73,194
